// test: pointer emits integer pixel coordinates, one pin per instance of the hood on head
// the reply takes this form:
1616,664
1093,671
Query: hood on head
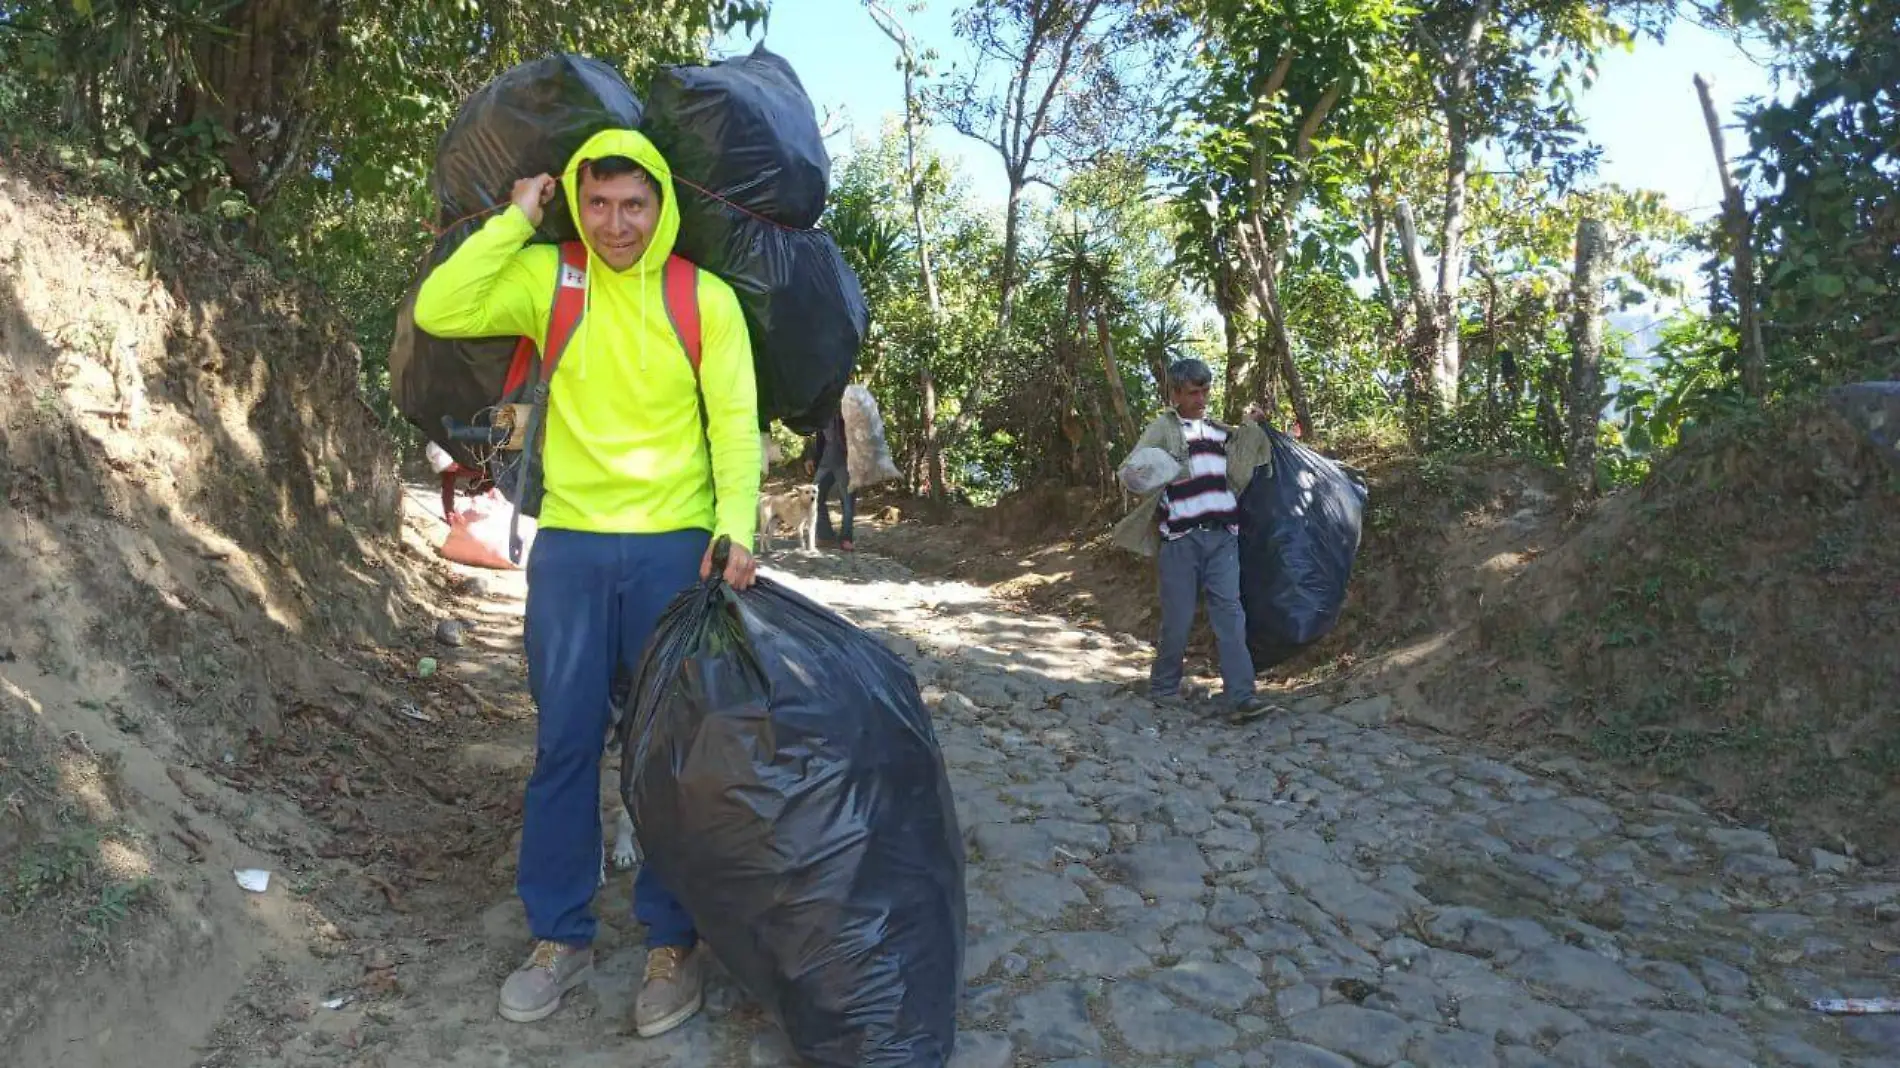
633,145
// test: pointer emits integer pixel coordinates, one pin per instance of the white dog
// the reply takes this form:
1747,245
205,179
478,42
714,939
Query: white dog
796,510
625,853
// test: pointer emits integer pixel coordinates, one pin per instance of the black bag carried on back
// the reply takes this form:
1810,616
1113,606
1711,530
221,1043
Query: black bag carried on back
803,310
745,129
786,784
528,121
752,174
1299,534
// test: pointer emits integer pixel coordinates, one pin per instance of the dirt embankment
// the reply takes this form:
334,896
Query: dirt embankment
198,529
1729,629
1725,630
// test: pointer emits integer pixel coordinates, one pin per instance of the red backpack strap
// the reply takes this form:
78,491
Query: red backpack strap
564,314
570,304
681,280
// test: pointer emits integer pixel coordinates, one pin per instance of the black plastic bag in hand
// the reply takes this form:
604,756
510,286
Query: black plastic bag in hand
744,129
786,785
1299,535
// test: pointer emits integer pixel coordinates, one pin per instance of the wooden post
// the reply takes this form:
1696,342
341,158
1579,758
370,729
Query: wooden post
1736,220
1586,356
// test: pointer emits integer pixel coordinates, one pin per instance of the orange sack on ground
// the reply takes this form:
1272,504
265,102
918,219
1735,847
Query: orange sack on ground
478,534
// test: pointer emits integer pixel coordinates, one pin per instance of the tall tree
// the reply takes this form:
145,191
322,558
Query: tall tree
1266,126
1586,356
1738,227
1048,86
1502,72
1828,222
913,65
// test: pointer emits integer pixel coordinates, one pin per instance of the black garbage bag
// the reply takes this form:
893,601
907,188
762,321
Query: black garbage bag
1299,535
745,129
529,120
803,309
786,785
751,172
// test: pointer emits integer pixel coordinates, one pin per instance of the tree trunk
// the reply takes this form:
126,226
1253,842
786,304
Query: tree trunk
1450,269
255,84
1586,356
1112,372
1491,356
1006,271
1455,100
1422,344
935,486
1230,299
1295,386
1262,261
1104,462
1381,273
1739,227
1069,343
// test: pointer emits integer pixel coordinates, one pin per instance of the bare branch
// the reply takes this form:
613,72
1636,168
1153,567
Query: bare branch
1414,260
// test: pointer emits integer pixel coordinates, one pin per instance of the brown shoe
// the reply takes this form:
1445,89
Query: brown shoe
534,991
1253,708
675,988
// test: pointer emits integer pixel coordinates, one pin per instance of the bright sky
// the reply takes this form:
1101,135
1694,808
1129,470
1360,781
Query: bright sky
1643,109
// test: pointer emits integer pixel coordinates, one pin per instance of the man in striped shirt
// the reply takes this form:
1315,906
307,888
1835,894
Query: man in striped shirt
1193,529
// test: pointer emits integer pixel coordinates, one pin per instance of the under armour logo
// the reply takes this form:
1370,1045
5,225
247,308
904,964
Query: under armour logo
572,277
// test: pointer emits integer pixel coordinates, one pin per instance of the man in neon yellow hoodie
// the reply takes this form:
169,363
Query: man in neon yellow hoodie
636,489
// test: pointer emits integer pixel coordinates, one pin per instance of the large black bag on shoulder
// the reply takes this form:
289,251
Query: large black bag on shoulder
1299,535
803,310
527,121
744,128
751,172
786,785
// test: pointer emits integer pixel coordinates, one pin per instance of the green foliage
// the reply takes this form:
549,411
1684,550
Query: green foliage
57,866
1692,382
870,215
1339,342
1171,129
1829,229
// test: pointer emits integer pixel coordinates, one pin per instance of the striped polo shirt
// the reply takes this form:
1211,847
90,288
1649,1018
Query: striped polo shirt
1200,498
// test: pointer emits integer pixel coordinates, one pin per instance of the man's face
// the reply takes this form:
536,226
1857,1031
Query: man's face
1191,400
618,215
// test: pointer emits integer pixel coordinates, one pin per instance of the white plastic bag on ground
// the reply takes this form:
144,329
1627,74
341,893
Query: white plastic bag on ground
866,454
478,534
1147,470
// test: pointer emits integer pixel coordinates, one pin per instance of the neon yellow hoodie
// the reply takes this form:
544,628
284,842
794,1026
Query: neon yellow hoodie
624,451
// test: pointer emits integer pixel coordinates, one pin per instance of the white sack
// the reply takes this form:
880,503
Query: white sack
866,454
1147,470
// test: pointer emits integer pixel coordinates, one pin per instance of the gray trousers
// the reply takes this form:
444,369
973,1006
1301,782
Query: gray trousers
1202,562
